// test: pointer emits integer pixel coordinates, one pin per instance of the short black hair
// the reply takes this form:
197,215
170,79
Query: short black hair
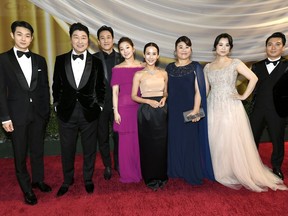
223,35
78,26
277,35
24,24
105,28
184,39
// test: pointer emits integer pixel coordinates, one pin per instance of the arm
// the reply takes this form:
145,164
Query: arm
4,112
197,99
206,80
57,84
45,93
115,93
197,102
100,85
246,72
165,91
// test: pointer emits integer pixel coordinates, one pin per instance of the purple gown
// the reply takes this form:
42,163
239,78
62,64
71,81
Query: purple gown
129,158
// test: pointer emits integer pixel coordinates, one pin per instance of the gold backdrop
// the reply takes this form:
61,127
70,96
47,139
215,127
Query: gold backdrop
46,30
51,36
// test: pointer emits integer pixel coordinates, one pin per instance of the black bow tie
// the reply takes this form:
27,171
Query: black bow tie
273,62
20,54
81,56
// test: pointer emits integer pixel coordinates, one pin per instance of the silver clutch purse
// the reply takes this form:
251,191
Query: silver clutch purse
187,118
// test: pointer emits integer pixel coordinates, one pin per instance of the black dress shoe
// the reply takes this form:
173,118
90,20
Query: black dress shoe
62,190
278,172
116,167
42,186
162,183
89,186
154,185
30,198
107,173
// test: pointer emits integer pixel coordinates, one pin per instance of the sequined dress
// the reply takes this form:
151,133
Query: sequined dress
235,158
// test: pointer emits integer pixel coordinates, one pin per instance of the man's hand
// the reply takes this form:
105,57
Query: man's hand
8,126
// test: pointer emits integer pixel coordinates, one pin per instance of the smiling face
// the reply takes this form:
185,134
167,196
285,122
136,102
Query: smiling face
183,51
223,47
274,48
79,41
126,50
22,37
106,41
151,55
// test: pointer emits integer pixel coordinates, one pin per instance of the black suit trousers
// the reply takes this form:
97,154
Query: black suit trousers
29,136
68,138
276,129
105,122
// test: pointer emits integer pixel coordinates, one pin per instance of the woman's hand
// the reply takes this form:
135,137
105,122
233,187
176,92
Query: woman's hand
154,103
237,96
117,117
162,102
194,112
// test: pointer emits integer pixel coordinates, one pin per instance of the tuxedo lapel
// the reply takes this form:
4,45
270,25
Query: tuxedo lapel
35,72
86,72
263,72
278,70
18,71
101,55
68,70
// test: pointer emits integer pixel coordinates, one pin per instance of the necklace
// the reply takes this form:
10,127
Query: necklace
152,72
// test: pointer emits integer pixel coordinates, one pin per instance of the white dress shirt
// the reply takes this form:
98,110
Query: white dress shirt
78,66
25,64
270,67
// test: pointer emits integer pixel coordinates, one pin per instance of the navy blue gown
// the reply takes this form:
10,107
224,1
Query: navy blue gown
188,147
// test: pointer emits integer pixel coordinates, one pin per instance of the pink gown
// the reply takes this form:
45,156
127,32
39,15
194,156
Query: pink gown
129,156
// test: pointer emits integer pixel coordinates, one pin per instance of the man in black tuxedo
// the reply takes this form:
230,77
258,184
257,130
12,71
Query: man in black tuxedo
269,72
25,107
109,58
78,92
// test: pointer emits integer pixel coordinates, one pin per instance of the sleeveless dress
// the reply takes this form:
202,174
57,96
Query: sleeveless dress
129,156
188,147
152,130
235,158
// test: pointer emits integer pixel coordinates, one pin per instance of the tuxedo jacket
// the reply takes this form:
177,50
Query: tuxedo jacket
280,93
90,92
15,94
266,96
114,59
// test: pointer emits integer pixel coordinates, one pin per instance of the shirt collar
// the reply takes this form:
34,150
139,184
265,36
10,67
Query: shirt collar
15,51
84,53
274,59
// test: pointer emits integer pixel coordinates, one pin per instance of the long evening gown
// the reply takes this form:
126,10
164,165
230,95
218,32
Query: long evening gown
235,158
129,156
152,129
188,147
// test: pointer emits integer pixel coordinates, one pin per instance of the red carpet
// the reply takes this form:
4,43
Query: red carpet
115,198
